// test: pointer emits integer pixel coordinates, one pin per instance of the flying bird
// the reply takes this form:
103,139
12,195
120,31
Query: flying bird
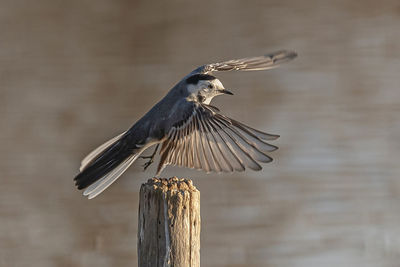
191,132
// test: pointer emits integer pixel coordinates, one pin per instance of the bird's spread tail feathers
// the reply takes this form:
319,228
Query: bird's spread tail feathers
105,164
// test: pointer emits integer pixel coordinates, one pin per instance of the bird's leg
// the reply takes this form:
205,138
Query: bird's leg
151,158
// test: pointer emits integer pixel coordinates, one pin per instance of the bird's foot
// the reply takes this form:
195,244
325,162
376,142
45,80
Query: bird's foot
148,163
151,159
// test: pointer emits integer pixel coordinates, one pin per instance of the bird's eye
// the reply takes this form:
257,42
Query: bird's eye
210,86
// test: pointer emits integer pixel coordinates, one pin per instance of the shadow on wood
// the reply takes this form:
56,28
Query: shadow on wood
169,223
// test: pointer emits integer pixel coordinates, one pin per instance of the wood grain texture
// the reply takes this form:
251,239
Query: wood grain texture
169,223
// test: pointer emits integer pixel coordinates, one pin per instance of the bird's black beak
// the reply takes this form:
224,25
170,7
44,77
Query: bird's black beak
225,91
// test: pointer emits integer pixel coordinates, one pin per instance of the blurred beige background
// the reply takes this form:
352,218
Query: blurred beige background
75,73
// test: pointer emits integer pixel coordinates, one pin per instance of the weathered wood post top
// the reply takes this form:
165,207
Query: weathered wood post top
169,223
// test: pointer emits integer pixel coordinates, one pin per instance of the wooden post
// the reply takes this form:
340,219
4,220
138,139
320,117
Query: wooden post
169,223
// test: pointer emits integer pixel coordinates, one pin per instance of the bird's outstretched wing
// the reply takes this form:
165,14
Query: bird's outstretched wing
265,62
206,140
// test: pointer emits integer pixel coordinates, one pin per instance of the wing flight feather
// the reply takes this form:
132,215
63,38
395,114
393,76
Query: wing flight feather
265,62
206,140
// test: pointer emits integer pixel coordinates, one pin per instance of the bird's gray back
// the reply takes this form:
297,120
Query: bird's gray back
158,120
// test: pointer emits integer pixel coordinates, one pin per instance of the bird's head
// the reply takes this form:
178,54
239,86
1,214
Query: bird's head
203,87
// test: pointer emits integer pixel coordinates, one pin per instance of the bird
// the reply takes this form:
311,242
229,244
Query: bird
192,133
